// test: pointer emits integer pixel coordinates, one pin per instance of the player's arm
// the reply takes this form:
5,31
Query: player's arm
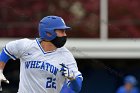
2,77
3,60
75,82
12,50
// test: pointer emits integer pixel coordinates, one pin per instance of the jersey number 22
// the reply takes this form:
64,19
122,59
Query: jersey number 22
51,82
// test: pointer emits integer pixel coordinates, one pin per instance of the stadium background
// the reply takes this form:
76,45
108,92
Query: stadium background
104,37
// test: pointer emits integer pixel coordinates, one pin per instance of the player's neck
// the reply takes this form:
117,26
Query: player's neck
48,46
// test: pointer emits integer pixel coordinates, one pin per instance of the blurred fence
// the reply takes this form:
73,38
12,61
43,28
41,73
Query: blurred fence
89,48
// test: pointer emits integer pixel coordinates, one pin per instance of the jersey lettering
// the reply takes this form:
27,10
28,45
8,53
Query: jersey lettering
41,65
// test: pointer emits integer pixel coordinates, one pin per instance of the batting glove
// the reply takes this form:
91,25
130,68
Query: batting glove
66,72
2,79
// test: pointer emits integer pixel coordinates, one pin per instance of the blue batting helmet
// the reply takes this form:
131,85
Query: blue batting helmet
49,24
130,79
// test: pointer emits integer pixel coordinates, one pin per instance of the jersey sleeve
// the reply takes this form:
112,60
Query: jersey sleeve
14,49
72,65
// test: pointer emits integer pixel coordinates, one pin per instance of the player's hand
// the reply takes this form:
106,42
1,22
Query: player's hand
2,79
66,72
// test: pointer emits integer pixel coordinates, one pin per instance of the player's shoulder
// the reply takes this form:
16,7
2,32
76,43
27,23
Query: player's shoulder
65,51
66,54
121,89
21,40
25,40
136,89
20,43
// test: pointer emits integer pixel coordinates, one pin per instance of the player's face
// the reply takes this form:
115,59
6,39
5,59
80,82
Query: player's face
61,33
128,86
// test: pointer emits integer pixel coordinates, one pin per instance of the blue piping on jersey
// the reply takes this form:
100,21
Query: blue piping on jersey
80,76
4,57
12,56
41,47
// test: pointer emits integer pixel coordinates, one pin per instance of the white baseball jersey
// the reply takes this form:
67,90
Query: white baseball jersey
40,70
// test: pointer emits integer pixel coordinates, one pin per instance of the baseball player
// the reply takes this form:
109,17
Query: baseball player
129,85
45,64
